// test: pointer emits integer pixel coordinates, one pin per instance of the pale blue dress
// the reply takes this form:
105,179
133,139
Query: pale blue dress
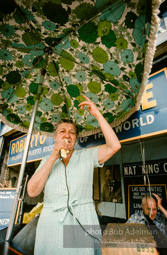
58,232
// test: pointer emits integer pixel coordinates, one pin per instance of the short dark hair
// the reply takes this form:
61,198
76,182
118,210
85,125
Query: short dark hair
67,121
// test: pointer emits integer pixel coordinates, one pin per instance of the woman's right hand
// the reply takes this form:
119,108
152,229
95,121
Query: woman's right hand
59,144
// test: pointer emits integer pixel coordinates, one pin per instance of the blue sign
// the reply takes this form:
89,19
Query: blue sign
153,118
6,203
40,146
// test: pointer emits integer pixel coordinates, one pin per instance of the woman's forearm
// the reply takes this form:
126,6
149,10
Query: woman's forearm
111,139
112,145
38,180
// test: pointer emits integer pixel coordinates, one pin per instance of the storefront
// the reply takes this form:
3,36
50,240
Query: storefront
142,158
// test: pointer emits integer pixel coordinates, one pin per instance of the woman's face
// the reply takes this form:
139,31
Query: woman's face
66,131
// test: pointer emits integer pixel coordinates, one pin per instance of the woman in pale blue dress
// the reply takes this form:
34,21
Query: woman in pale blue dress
68,223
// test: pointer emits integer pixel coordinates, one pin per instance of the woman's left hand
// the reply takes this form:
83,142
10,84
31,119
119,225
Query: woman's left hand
92,108
112,144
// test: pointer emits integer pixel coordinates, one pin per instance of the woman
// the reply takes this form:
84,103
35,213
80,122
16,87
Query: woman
67,185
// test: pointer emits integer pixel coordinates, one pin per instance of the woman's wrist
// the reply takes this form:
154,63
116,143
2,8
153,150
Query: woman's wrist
53,157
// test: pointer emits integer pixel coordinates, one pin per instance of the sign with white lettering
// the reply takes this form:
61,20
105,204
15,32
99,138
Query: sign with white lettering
150,117
6,203
40,146
150,168
136,193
